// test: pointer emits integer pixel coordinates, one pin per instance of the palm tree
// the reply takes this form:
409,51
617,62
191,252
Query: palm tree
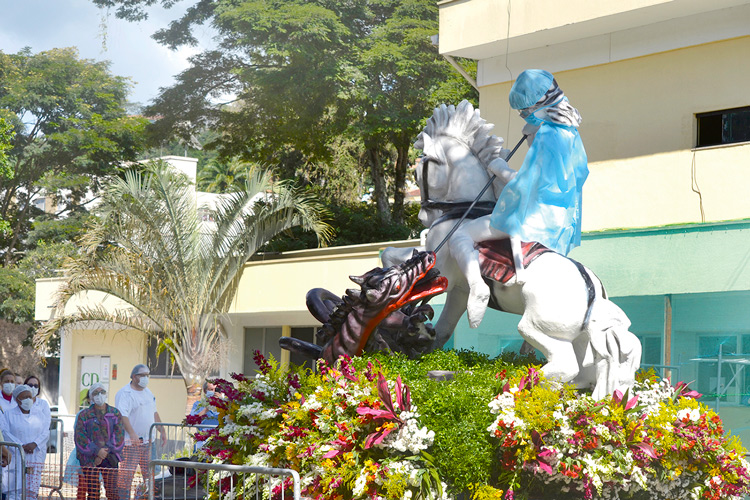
178,274
221,177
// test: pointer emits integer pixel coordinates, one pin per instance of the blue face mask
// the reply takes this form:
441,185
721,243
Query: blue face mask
532,119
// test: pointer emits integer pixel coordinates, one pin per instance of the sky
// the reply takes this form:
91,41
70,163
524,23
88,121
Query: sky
47,24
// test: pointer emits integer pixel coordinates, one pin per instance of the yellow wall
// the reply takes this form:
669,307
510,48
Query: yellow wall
125,349
480,28
639,127
271,293
281,285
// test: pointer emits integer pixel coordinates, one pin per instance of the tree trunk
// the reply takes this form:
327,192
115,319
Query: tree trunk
378,179
194,393
402,165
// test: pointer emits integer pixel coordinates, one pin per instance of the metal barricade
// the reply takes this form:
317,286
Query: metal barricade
19,457
173,455
54,463
197,481
178,441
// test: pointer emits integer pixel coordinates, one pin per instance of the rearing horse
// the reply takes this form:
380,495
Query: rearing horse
563,306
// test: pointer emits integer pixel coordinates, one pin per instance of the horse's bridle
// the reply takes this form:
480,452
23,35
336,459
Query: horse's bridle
451,209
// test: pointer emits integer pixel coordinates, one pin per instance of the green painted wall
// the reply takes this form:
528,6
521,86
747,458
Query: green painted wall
676,259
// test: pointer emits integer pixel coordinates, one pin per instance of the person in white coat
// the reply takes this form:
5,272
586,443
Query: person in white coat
40,404
30,429
7,383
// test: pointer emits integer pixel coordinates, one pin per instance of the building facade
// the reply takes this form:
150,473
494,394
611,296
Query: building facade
666,125
666,213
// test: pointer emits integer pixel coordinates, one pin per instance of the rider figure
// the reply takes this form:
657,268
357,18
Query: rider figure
542,201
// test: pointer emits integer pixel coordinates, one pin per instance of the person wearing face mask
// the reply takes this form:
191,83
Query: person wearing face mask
39,403
30,429
99,438
137,405
8,382
542,201
203,408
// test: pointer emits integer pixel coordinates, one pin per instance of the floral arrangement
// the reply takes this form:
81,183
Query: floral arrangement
654,442
356,430
350,434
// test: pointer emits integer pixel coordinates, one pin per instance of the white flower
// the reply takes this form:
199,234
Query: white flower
360,484
692,414
410,437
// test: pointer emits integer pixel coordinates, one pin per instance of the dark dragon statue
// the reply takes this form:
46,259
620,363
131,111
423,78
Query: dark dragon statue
382,314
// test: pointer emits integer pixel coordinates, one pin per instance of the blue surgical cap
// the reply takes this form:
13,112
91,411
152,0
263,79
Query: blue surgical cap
529,88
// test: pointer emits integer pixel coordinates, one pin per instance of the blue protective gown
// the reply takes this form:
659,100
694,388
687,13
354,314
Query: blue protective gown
543,201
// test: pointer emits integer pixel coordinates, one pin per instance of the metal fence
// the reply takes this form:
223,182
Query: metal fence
54,463
13,484
183,480
175,473
165,468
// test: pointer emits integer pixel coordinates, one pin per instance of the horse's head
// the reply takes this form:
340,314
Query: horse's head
457,147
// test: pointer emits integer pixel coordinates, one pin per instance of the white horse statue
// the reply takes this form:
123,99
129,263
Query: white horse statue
564,309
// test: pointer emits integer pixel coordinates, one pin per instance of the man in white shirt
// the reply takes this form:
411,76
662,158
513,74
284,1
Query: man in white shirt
137,404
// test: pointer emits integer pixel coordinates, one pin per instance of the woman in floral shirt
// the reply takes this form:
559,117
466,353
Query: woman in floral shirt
100,437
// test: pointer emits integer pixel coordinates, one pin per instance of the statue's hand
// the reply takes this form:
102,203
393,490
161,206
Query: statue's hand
500,169
530,131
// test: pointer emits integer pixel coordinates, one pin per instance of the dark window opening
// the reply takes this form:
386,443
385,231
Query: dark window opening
728,126
161,364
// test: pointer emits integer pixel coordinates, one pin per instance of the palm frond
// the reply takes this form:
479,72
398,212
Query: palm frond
178,275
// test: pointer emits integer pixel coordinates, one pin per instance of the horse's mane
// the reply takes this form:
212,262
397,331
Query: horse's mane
464,124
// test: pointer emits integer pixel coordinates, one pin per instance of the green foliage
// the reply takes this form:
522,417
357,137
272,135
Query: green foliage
70,128
46,259
149,248
17,293
224,176
6,135
310,79
50,229
456,409
353,224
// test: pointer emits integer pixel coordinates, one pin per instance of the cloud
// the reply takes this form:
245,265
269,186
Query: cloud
47,24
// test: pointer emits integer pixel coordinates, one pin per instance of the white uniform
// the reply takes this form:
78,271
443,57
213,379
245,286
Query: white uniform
7,405
23,428
139,407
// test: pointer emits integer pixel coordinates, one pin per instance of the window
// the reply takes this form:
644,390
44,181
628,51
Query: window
723,127
265,340
722,372
161,365
650,350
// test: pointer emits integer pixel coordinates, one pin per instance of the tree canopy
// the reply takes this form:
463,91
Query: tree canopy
290,80
151,247
69,129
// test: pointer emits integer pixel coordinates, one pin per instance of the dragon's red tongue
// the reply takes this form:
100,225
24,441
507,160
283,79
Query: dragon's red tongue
427,288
